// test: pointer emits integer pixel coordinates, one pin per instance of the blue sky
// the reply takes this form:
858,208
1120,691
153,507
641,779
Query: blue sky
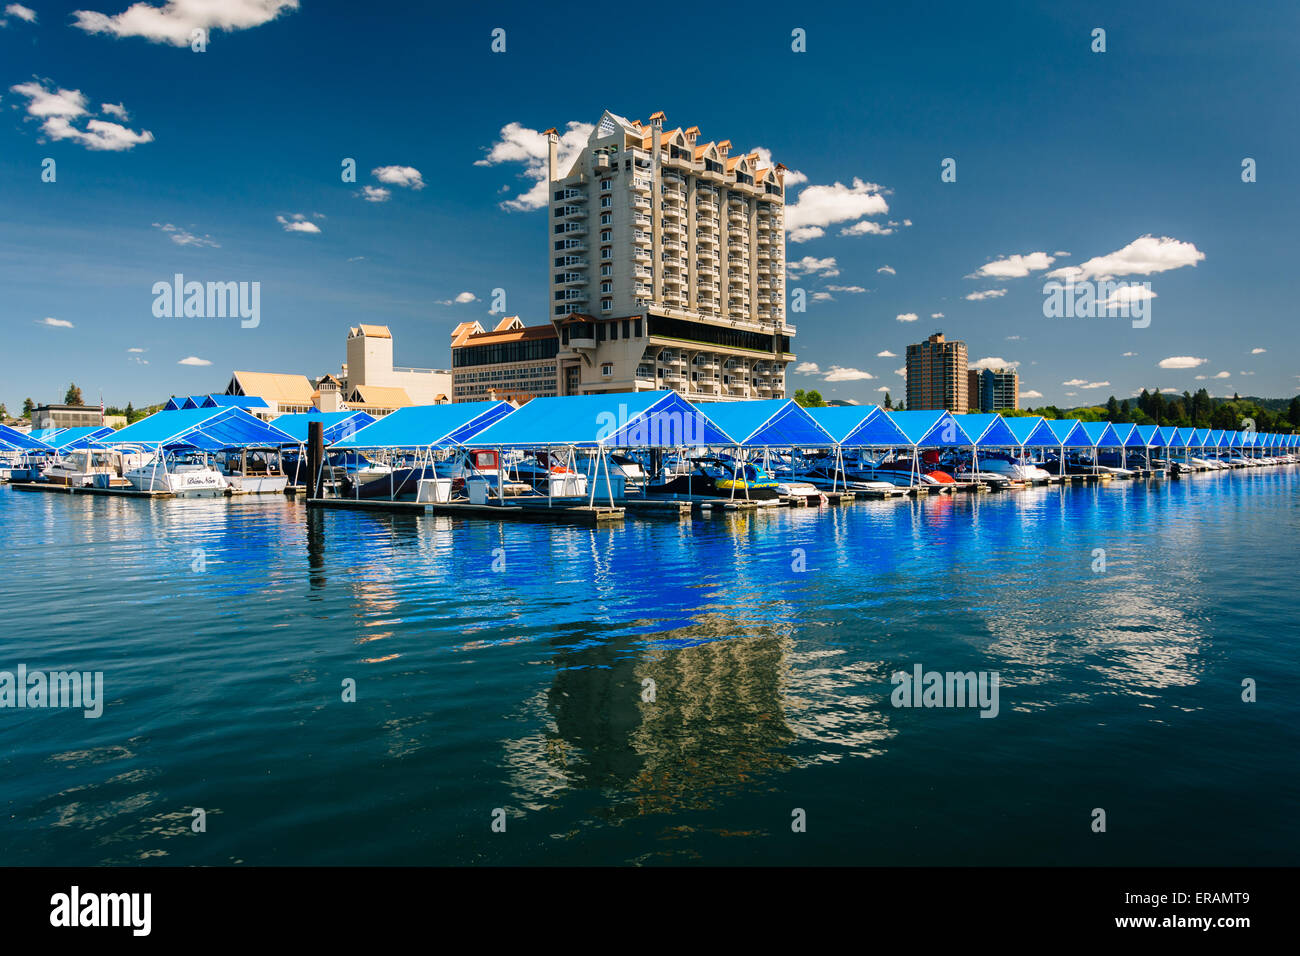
1058,149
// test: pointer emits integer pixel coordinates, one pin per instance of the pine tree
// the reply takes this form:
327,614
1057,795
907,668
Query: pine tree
73,396
28,407
889,402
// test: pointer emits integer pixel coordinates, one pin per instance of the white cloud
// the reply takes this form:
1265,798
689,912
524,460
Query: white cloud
1061,255
906,317
56,108
21,12
56,323
183,237
375,193
1031,394
1013,338
846,288
1169,391
1245,373
868,228
1013,267
936,315
1258,351
823,297
1222,375
838,374
888,270
807,368
820,206
1083,383
986,294
808,265
886,354
1181,361
1145,255
517,143
992,362
297,222
901,371
1129,354
136,350
175,21
462,298
883,388
406,176
193,360
114,109
1126,295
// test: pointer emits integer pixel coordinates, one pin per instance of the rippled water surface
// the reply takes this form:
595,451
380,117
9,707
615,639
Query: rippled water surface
505,666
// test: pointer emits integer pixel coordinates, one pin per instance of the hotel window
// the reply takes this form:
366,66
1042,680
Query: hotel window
607,287
607,235
606,218
607,305
613,326
607,184
606,202
607,369
607,253
636,324
606,270
626,328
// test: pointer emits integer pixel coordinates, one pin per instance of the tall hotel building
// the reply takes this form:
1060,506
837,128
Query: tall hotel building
667,264
937,375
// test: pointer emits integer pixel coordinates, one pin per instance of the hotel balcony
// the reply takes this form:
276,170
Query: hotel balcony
672,211
569,212
573,229
736,217
641,202
641,255
671,176
737,248
671,226
641,219
708,209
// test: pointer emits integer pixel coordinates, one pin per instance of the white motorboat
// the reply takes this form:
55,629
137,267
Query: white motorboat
86,467
254,472
183,479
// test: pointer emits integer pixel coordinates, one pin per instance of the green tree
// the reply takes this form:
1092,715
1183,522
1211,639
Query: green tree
73,396
1293,412
4,412
1112,410
1125,414
889,402
809,399
130,413
28,407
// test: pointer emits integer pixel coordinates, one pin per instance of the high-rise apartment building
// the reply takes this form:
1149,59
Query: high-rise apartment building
667,260
993,390
936,375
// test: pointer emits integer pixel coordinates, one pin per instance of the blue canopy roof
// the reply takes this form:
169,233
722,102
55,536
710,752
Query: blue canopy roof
336,425
232,401
209,429
1201,437
660,419
1168,435
779,422
987,430
428,426
45,434
1217,438
1102,435
12,436
1031,431
1069,433
69,439
932,427
1151,436
840,421
1183,437
1127,433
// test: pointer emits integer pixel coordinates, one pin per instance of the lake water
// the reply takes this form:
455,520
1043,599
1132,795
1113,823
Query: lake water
501,674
